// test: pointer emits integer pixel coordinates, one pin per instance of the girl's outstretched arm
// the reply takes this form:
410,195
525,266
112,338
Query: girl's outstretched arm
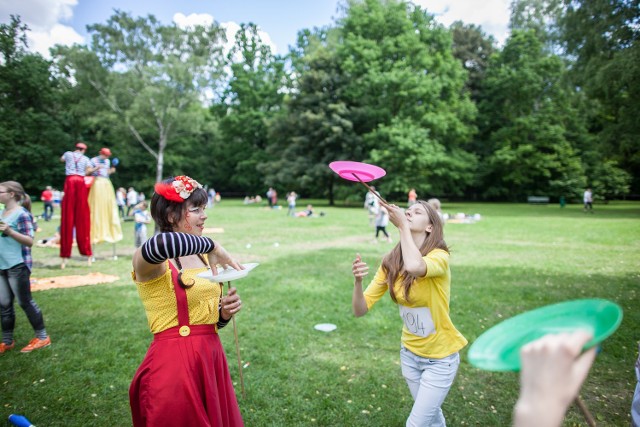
360,269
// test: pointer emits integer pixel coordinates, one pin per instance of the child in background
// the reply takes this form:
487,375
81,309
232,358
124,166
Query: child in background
142,217
382,220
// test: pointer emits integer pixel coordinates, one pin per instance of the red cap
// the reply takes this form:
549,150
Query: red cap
105,151
81,145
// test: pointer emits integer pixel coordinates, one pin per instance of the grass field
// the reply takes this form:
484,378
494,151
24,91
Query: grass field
516,258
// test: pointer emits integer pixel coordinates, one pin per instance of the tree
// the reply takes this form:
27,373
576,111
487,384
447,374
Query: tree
603,36
473,48
316,128
150,75
405,91
529,124
32,126
254,96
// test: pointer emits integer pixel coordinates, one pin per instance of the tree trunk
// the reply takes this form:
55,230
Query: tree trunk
160,164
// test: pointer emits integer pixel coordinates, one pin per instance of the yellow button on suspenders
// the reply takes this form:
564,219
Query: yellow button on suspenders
185,331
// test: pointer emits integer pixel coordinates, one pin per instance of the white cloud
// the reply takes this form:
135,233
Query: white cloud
492,15
231,29
43,18
41,41
192,20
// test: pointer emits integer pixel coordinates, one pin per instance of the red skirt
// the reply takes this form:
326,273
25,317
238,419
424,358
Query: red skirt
184,381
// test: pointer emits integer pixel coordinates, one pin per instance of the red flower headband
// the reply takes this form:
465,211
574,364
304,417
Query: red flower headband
179,190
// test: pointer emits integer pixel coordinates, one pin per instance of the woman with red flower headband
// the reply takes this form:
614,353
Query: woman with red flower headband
184,379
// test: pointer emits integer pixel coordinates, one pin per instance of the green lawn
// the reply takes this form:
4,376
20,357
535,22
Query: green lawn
517,257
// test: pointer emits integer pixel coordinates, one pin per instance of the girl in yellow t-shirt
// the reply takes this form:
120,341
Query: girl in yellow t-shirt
416,273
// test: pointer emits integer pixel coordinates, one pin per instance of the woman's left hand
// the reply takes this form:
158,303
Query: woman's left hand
230,304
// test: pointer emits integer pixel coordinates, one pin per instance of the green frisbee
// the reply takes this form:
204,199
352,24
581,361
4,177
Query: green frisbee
498,349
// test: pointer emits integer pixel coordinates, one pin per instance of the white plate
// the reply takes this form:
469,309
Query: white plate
229,274
325,327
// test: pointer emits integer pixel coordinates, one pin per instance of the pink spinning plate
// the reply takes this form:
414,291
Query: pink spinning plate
364,171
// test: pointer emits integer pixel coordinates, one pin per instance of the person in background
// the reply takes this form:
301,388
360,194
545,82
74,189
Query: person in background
57,198
269,195
121,201
412,197
437,206
132,199
382,220
184,379
291,201
307,212
16,226
587,198
142,217
553,370
105,220
75,204
372,204
211,197
47,199
417,276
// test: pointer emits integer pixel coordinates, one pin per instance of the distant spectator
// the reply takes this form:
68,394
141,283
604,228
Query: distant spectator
132,199
412,197
588,200
47,199
121,200
211,197
142,217
291,201
435,203
372,204
269,194
382,220
307,212
57,197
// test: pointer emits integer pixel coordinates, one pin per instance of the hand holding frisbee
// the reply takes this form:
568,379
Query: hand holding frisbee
498,349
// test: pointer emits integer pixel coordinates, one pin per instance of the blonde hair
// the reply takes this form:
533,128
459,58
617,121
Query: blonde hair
393,264
19,194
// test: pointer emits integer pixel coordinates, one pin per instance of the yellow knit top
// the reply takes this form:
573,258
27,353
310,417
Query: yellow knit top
160,303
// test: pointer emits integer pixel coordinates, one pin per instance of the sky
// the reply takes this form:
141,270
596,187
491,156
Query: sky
64,21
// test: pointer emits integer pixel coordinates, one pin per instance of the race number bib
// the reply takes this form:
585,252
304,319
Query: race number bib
417,320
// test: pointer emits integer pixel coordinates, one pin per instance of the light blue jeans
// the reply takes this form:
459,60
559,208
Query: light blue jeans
429,381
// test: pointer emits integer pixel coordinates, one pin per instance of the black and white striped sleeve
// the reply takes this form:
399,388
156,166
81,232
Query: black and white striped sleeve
164,246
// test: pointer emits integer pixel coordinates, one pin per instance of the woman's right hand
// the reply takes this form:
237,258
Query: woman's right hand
359,269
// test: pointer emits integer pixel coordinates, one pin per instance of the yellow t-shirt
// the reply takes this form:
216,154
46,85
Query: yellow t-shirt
428,330
160,303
